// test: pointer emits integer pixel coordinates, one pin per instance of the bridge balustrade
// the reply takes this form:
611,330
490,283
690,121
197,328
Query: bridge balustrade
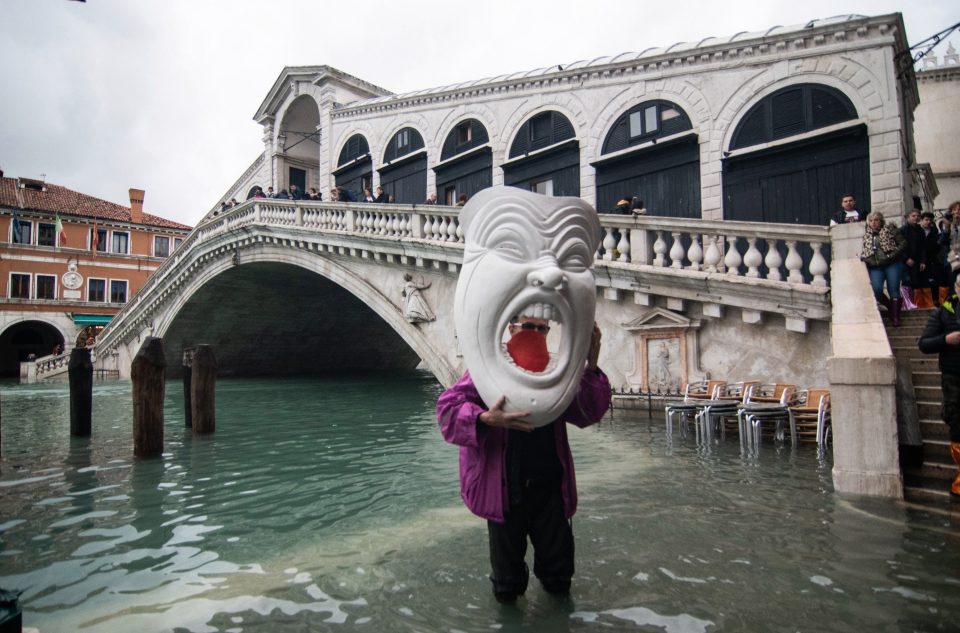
777,252
687,259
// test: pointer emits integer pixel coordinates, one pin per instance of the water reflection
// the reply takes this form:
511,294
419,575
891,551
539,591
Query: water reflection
317,506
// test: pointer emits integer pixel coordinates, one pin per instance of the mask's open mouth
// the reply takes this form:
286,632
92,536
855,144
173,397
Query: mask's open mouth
532,342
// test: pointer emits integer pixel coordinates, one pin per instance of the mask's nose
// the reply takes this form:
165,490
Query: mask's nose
547,274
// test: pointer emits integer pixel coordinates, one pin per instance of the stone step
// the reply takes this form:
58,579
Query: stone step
911,353
926,379
935,474
928,410
937,451
928,362
902,340
924,496
934,429
928,393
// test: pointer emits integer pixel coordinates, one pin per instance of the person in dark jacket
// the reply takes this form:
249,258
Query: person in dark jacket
914,255
942,336
381,198
848,211
936,275
295,193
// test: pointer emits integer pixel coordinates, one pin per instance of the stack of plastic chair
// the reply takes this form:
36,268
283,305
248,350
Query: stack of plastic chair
812,414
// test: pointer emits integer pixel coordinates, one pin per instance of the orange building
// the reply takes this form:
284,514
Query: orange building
68,264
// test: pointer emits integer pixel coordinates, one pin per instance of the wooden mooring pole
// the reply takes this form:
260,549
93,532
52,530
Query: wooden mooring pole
147,373
203,390
80,372
188,353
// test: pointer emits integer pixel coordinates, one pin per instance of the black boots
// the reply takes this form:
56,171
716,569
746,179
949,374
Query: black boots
895,305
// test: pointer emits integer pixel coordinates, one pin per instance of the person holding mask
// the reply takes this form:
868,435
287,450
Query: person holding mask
526,276
882,252
941,335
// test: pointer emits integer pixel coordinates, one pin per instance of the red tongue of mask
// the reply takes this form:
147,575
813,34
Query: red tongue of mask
528,349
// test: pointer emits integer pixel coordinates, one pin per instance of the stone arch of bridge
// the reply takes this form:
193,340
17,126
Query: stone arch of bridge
353,283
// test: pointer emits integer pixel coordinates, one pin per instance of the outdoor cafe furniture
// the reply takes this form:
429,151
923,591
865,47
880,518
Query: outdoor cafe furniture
812,414
693,394
777,392
752,415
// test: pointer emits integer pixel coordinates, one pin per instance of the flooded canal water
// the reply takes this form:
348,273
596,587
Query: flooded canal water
332,504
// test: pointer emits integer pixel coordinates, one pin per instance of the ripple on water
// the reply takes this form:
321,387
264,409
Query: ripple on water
316,505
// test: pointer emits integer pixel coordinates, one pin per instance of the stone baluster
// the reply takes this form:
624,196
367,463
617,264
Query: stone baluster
441,231
459,231
695,253
712,257
428,227
773,261
818,266
624,246
659,249
732,260
676,252
794,263
452,230
753,258
609,243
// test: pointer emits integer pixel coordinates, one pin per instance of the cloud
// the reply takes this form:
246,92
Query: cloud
112,94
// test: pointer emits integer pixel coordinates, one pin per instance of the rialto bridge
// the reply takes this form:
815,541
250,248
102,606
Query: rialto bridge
291,287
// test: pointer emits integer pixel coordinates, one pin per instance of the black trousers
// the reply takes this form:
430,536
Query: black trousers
950,385
540,517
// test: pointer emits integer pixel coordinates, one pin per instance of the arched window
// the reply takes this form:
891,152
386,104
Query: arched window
355,147
466,135
797,180
791,111
464,169
554,172
665,176
404,142
539,131
354,171
645,122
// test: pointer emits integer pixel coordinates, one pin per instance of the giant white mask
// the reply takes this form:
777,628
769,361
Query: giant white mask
526,255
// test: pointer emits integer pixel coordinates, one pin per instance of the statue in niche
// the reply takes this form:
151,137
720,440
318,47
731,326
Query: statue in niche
663,364
415,308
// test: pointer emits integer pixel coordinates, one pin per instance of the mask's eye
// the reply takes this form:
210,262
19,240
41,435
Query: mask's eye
509,245
575,259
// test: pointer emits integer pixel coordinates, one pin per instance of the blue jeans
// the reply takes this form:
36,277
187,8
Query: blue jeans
891,273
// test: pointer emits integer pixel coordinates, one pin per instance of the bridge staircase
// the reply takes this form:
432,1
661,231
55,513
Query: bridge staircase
930,480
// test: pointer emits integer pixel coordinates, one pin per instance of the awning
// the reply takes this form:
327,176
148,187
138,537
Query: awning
92,319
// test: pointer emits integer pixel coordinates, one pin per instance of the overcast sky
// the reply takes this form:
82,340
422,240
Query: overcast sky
111,94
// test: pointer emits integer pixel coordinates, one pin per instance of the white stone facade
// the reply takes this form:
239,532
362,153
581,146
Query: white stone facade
938,126
715,82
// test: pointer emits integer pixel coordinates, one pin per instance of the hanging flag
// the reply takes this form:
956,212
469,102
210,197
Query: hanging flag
94,242
58,228
17,235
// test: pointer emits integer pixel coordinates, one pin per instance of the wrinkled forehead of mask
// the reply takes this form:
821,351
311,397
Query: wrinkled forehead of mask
542,222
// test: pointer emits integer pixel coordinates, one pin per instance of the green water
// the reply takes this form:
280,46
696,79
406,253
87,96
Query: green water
332,505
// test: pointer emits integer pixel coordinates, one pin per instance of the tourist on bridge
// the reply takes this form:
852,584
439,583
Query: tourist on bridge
882,252
295,193
381,198
942,336
848,211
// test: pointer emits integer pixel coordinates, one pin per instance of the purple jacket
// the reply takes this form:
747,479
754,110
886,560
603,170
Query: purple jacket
483,449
